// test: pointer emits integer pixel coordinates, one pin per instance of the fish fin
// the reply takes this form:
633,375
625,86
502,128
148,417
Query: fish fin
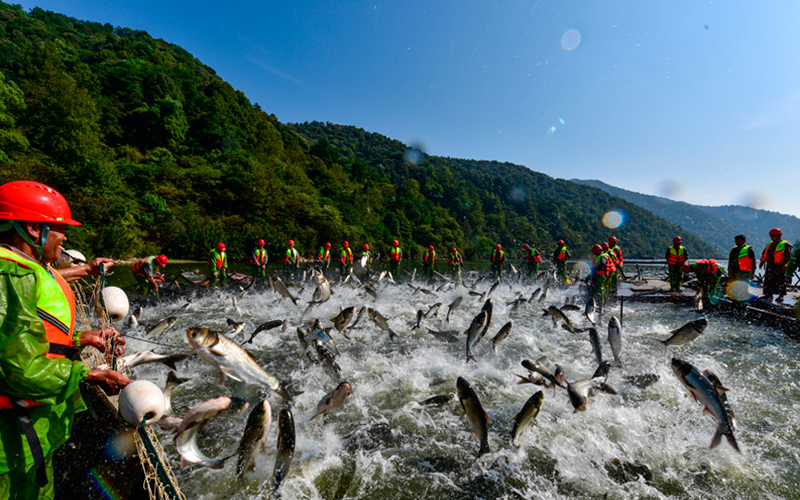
222,374
716,439
523,380
732,441
463,415
487,417
217,353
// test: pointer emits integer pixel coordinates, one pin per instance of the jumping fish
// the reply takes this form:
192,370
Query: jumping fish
286,440
687,333
526,416
186,437
334,400
474,413
254,438
615,339
452,307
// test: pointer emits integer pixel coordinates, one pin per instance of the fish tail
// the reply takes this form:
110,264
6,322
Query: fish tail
484,448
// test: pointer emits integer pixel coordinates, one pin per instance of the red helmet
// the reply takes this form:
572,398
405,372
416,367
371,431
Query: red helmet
221,246
560,242
597,249
686,268
526,247
162,260
498,247
327,245
453,250
612,240
604,245
430,247
775,232
395,243
345,244
33,201
676,240
366,247
262,242
291,243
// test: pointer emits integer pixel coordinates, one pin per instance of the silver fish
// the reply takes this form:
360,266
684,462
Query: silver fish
286,440
687,333
488,306
474,413
594,338
533,378
361,313
233,361
132,321
557,314
382,323
342,319
721,390
615,339
434,309
172,382
436,400
704,391
602,370
538,367
334,400
236,305
281,288
474,334
184,307
254,439
526,416
420,315
493,288
589,311
501,335
269,325
452,307
186,438
446,335
233,328
535,295
149,356
162,326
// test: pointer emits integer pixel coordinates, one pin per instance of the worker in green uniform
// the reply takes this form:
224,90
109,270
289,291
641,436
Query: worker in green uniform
532,259
146,273
259,259
498,258
40,367
345,261
560,258
741,261
291,260
456,263
428,261
323,257
217,266
708,274
616,253
366,261
395,256
602,267
676,257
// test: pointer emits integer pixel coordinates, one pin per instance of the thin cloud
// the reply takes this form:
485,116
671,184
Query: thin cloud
275,71
781,112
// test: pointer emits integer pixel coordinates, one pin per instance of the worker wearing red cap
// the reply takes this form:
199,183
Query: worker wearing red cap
395,256
676,257
498,259
708,274
455,262
428,261
259,259
40,366
616,253
291,259
323,257
532,259
217,266
560,257
146,273
345,260
774,258
602,267
366,261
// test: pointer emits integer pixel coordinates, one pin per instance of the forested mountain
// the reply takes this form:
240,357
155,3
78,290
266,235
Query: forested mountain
716,225
155,152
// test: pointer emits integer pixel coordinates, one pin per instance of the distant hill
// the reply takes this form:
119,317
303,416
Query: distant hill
716,225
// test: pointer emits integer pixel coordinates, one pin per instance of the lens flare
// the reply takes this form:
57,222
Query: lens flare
581,269
551,130
571,39
614,219
561,121
740,291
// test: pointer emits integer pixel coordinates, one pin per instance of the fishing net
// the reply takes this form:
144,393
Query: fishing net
159,478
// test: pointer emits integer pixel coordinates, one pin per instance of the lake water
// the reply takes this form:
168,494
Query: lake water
427,452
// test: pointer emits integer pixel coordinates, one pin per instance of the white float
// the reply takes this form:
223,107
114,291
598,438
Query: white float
116,302
141,400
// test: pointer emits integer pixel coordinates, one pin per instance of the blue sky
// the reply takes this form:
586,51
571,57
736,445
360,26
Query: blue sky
697,101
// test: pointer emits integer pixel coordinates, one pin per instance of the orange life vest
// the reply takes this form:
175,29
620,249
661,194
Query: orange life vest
562,254
777,257
745,262
676,257
708,265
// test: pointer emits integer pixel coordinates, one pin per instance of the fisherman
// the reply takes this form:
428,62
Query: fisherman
258,259
602,267
456,263
708,274
323,257
676,257
291,260
775,256
366,261
395,256
741,261
40,368
146,273
428,261
532,259
217,266
560,257
345,261
616,253
498,259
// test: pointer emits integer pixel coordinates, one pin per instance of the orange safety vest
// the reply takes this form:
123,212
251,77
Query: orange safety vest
346,256
429,257
55,307
676,257
394,253
137,268
291,256
533,256
455,258
562,254
617,255
260,255
603,266
745,262
710,266
216,258
778,255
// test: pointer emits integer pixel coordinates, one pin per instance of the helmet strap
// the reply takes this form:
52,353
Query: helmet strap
43,238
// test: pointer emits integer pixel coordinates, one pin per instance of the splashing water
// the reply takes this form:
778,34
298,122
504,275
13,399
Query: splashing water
404,450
